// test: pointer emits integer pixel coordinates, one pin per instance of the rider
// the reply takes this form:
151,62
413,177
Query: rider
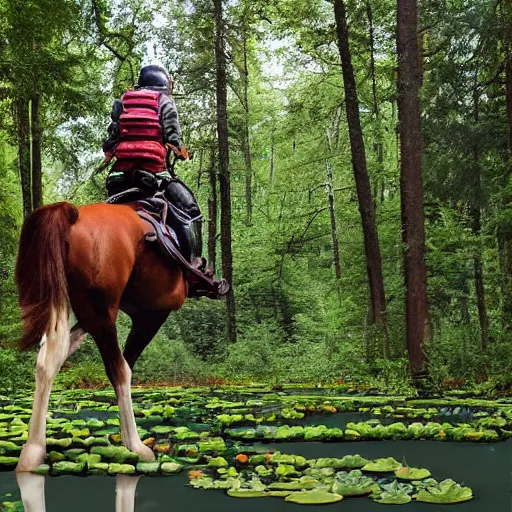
144,137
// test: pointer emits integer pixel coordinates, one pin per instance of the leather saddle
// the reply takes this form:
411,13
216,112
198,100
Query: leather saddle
159,213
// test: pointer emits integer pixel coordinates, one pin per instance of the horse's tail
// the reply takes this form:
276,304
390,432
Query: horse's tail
41,272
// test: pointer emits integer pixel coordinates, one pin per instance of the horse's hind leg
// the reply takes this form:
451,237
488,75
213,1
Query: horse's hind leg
52,354
75,338
101,325
145,325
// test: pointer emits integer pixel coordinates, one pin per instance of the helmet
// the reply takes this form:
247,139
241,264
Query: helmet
154,77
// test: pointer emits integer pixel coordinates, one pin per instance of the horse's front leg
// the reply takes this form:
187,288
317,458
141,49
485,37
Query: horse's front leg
52,354
119,373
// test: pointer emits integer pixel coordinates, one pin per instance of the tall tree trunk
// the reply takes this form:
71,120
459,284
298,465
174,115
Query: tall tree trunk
23,141
378,145
476,226
246,142
411,186
366,205
504,232
332,213
212,210
37,182
200,170
224,174
479,281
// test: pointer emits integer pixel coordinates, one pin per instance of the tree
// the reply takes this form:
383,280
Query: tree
224,173
411,185
364,194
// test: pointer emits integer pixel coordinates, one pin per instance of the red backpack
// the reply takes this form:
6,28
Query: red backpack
140,142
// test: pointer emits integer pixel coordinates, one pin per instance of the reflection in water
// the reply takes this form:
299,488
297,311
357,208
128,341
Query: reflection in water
32,492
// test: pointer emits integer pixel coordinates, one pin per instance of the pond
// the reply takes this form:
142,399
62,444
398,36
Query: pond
486,468
257,442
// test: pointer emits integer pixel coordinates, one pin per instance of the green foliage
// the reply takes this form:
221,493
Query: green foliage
16,371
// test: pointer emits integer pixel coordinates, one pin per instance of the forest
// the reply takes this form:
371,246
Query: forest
352,160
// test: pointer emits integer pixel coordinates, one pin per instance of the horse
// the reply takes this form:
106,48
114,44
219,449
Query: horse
94,260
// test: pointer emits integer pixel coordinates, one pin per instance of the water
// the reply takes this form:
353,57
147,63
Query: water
486,468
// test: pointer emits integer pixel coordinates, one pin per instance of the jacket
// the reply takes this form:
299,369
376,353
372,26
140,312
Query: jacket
168,113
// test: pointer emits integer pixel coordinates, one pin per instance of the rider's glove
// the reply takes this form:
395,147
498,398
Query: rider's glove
180,154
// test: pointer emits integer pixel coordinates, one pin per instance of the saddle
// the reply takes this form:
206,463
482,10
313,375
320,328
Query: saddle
159,212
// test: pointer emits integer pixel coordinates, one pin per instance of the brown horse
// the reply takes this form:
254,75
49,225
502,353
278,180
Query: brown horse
96,261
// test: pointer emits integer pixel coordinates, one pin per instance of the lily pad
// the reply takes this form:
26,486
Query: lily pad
407,473
313,497
352,484
120,469
118,454
8,462
382,465
148,468
279,494
446,491
394,493
43,469
246,493
70,468
171,467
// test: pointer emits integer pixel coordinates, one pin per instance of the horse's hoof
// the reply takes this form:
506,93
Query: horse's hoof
32,456
145,453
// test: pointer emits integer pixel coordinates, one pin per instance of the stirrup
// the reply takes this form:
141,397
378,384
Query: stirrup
198,289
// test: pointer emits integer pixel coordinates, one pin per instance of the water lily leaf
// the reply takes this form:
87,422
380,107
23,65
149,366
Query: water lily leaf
352,484
118,454
313,497
423,484
60,443
218,462
73,453
148,468
94,423
215,444
446,491
66,467
96,441
347,462
284,470
263,471
382,465
171,467
407,473
285,486
245,493
392,499
8,462
278,494
43,469
120,469
106,431
161,429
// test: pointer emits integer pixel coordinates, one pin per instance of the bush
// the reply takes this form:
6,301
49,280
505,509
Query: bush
16,370
88,374
455,355
166,360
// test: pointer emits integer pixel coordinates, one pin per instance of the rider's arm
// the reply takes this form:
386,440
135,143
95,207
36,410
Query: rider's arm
170,122
113,130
